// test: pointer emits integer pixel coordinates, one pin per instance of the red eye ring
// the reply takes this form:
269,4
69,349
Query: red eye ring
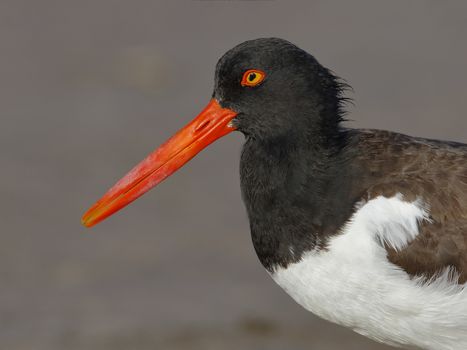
253,77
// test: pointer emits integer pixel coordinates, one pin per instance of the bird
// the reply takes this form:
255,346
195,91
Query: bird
364,228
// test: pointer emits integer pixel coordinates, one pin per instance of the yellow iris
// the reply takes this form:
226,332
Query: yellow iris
252,77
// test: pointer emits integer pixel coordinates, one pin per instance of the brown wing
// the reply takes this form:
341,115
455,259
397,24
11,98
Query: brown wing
434,171
436,248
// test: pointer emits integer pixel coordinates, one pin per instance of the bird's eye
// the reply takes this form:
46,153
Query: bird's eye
253,77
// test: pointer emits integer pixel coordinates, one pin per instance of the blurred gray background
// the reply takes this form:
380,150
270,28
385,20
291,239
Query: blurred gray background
88,88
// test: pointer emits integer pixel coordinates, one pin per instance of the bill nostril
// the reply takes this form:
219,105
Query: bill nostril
202,126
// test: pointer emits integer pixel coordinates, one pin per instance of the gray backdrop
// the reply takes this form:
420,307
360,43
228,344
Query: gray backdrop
88,88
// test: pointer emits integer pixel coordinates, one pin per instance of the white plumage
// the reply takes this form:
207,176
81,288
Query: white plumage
352,283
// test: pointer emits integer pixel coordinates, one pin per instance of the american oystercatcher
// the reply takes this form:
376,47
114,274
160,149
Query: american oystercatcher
365,228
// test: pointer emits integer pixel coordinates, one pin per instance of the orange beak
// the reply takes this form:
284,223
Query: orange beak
212,123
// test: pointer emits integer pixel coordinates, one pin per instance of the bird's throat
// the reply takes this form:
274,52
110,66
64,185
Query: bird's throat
288,192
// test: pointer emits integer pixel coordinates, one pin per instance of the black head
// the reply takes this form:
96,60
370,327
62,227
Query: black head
298,96
289,118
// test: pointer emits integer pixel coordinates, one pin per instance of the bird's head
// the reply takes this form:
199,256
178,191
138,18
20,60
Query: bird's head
265,88
277,89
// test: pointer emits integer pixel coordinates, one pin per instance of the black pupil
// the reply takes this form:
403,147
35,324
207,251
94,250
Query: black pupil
252,76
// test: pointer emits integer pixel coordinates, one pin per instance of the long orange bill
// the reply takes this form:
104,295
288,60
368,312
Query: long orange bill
212,123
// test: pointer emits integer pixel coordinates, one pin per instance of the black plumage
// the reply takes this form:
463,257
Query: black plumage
303,173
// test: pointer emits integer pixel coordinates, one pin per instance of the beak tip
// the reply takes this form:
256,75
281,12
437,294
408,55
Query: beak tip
86,222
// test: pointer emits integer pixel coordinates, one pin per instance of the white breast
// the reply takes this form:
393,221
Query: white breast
353,284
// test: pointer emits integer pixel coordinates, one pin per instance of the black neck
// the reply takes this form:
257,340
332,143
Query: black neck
297,193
